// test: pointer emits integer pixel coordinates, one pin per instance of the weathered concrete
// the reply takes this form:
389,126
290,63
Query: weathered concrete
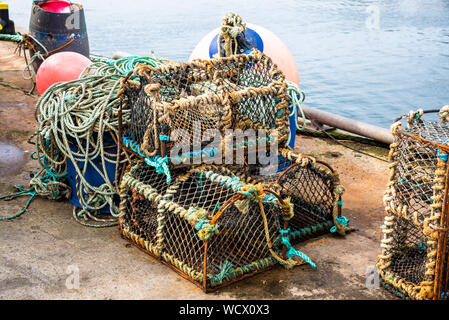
37,248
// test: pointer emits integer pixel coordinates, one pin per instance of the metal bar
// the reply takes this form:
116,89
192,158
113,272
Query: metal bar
205,266
354,126
442,239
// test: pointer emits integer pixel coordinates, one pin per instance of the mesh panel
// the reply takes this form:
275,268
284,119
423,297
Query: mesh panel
415,174
243,240
409,251
141,213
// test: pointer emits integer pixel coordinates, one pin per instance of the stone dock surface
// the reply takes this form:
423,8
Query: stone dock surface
40,249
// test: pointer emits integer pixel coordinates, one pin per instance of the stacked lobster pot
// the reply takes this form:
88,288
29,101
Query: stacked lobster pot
212,195
413,262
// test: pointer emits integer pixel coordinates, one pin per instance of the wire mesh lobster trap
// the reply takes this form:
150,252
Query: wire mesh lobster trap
217,224
209,225
179,104
413,262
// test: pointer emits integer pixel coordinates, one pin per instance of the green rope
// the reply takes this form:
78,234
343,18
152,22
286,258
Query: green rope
120,67
21,192
292,251
11,37
44,183
67,115
226,271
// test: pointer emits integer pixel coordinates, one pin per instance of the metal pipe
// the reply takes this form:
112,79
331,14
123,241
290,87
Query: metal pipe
354,126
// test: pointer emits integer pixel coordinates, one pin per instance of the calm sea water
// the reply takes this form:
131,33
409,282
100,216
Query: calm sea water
367,60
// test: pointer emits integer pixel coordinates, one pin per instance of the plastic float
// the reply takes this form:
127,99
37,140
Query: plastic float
62,66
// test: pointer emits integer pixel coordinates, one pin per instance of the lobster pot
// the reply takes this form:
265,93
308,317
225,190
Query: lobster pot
414,247
189,103
313,188
207,225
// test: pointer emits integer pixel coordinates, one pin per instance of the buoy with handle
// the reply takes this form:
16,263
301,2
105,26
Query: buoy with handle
247,36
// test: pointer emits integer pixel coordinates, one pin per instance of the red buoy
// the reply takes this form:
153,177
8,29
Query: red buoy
60,67
56,6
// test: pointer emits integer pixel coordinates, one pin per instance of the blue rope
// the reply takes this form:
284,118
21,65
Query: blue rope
443,156
163,137
161,164
292,251
340,220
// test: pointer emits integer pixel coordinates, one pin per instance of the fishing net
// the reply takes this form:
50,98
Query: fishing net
184,104
221,206
413,262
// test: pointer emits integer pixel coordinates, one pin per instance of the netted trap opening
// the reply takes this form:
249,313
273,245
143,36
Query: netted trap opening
140,213
241,246
405,259
312,193
414,177
258,71
312,187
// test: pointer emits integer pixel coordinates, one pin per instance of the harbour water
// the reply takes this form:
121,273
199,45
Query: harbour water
367,60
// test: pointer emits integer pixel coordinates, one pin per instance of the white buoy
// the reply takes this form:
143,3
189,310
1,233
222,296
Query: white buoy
260,38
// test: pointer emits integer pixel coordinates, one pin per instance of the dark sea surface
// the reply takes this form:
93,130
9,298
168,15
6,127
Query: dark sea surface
366,60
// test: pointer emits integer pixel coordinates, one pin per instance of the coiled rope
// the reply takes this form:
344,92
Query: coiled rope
72,119
75,116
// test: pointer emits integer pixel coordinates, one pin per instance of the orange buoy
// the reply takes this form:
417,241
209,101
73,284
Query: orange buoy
259,38
60,67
